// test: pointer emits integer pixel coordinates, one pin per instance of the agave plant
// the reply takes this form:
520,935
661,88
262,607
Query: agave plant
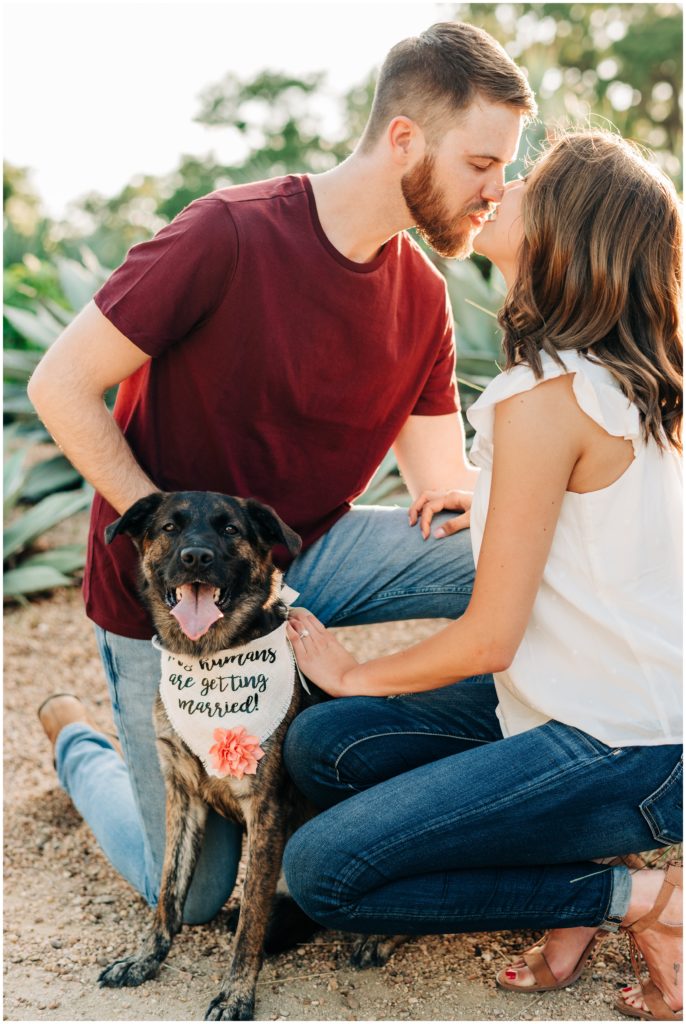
52,488
27,569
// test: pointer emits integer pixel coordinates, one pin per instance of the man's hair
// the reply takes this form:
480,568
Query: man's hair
441,72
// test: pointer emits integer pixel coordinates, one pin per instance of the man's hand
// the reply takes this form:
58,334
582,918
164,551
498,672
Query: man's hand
319,655
430,502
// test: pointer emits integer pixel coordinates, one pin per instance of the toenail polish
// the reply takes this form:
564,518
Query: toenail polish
510,974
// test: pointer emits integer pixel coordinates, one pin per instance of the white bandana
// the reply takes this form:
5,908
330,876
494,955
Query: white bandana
223,705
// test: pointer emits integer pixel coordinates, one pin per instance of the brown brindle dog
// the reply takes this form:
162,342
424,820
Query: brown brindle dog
207,576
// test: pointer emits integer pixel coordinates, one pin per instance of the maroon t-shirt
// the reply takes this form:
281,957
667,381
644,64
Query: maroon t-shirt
281,369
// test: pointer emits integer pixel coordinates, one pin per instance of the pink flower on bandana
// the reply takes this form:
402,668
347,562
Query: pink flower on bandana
235,752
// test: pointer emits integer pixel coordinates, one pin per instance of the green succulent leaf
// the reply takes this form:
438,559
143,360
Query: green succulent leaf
67,559
42,517
19,363
78,283
30,579
39,327
15,400
48,477
14,474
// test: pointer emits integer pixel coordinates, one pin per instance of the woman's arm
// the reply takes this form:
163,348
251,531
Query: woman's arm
539,436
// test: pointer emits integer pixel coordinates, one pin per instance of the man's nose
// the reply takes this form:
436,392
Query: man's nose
494,188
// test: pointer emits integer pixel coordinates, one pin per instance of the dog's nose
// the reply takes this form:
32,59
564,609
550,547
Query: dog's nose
197,558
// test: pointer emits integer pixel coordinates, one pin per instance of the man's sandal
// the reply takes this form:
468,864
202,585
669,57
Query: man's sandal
544,979
657,1008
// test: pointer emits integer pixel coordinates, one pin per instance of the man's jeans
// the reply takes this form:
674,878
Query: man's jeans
370,567
436,823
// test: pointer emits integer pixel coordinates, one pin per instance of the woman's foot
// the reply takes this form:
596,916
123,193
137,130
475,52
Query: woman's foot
660,947
562,948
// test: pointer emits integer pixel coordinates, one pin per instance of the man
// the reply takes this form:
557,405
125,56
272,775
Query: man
275,340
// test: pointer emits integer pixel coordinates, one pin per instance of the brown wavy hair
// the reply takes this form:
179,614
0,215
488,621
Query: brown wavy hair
599,269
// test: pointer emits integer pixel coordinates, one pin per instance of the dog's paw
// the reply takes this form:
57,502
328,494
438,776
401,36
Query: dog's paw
374,950
231,1007
129,972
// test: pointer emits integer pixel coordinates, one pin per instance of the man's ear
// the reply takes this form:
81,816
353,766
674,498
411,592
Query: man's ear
406,140
270,528
136,519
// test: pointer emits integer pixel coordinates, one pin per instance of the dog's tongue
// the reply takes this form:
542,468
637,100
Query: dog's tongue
196,611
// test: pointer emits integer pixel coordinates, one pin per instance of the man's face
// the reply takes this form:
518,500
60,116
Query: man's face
458,182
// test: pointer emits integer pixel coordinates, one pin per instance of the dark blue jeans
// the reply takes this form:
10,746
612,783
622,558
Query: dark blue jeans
435,823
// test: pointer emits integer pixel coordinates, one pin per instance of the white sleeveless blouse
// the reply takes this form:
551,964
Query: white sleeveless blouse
602,649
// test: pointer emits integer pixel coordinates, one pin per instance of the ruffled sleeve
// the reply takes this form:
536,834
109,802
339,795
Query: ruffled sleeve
595,389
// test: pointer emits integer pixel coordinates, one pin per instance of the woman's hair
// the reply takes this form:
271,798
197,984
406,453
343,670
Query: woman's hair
600,268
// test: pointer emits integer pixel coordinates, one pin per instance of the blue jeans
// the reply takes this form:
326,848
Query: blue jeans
436,823
370,567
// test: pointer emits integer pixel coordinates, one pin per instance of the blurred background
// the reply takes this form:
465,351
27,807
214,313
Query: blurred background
118,115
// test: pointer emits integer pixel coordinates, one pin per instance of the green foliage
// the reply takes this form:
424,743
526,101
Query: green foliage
611,63
52,488
25,570
386,486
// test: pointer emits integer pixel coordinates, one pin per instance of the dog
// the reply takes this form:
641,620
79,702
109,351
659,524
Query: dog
207,576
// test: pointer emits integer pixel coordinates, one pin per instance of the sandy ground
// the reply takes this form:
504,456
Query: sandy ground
67,913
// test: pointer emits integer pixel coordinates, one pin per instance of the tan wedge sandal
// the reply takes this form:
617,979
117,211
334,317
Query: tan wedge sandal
657,1008
544,979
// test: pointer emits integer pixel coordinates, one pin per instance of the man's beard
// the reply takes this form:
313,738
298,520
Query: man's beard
447,235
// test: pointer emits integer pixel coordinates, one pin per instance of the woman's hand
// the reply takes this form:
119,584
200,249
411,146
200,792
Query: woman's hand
319,655
430,502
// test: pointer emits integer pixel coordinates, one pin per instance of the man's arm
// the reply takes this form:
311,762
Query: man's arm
431,455
67,390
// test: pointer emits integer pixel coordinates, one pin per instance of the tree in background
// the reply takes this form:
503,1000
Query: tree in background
622,63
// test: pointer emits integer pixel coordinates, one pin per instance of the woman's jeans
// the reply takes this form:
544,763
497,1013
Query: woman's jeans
435,823
370,567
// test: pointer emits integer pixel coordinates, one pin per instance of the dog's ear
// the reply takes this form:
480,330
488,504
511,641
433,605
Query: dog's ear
270,528
135,520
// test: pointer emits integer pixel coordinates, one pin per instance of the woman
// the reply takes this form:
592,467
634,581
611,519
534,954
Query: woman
478,806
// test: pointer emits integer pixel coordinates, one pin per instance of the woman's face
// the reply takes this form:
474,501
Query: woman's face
500,238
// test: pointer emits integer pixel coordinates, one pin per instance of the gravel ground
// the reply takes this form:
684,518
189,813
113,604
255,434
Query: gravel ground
67,913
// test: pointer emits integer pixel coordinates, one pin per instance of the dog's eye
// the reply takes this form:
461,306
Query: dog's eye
230,528
169,527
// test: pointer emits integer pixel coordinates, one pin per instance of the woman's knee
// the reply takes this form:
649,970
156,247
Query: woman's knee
308,750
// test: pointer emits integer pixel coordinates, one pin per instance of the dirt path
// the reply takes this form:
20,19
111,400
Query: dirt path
67,912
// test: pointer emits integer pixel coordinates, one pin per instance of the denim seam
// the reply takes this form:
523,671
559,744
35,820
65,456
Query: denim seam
401,732
439,825
652,822
407,914
393,595
108,658
607,919
389,595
